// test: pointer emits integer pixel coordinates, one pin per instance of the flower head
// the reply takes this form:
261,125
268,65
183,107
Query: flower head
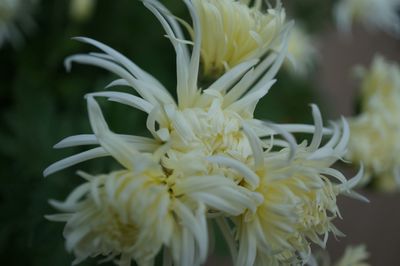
194,164
162,203
375,131
299,201
234,31
101,218
208,157
373,14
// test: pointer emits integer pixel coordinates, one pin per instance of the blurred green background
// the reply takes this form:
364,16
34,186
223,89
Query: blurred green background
41,103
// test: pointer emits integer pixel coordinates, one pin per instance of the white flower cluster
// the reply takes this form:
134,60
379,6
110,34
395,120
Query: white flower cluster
208,160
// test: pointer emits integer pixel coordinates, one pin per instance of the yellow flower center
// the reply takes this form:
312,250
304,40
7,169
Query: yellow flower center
197,133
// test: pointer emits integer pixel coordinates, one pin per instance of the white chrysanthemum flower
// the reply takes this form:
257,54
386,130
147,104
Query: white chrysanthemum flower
14,18
102,219
199,147
162,203
374,14
374,138
209,156
234,31
132,215
81,10
299,201
301,52
206,121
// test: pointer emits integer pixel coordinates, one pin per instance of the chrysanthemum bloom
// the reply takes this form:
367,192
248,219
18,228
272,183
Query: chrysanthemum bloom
208,156
234,31
301,52
132,213
14,17
299,201
382,15
375,131
181,162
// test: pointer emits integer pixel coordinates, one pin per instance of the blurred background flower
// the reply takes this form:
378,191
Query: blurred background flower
375,131
381,15
302,52
353,255
16,20
81,10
